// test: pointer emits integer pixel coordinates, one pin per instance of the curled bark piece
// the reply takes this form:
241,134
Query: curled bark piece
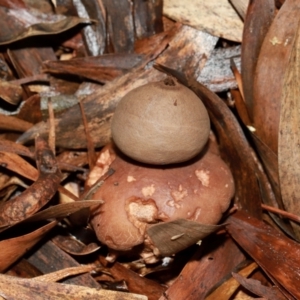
38,194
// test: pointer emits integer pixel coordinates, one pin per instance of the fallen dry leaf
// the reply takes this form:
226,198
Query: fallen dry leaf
229,287
45,29
12,147
39,193
14,124
174,236
73,246
206,269
62,210
258,289
18,165
259,17
10,92
14,248
289,140
273,59
136,283
276,254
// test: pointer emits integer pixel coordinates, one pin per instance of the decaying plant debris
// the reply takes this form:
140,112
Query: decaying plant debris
64,67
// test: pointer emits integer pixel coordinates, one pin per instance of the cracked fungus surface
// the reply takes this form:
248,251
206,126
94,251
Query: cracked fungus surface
136,195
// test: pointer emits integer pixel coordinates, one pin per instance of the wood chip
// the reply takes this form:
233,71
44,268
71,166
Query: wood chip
216,17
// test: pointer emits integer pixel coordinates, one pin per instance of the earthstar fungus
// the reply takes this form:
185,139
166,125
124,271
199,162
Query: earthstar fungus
178,182
161,123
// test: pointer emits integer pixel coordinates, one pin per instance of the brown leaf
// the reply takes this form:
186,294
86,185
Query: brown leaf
13,123
12,147
289,140
28,289
17,164
174,236
10,92
14,248
269,182
273,59
240,106
30,110
62,210
270,161
257,288
230,286
74,246
136,283
275,253
8,185
205,270
257,22
38,194
44,29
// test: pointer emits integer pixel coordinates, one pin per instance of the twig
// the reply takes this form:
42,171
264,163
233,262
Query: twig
281,212
51,140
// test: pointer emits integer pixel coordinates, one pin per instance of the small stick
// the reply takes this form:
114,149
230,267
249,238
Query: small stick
281,212
51,139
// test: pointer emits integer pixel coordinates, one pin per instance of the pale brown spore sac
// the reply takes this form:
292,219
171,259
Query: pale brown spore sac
161,123
137,195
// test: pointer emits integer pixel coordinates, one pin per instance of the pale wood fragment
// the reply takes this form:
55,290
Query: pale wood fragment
216,17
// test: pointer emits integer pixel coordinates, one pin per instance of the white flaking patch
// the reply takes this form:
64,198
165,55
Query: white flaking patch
140,212
173,203
102,165
130,178
226,185
180,194
224,170
196,214
143,212
203,176
148,191
163,216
